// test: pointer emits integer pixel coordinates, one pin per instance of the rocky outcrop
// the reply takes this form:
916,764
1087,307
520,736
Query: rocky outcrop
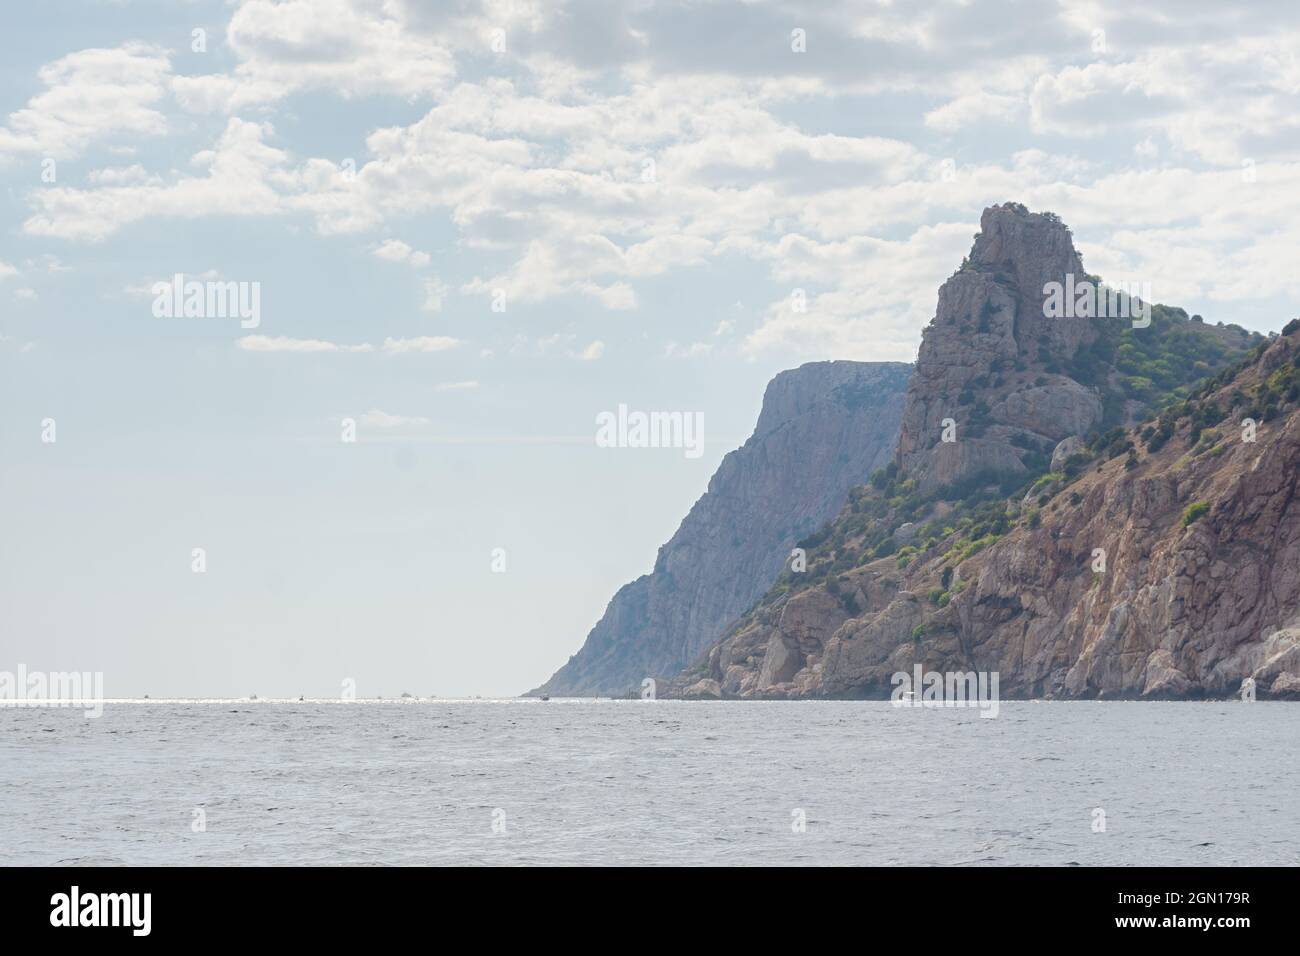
1063,450
823,428
1163,561
990,362
706,689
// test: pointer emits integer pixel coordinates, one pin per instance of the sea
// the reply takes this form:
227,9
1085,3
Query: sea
633,782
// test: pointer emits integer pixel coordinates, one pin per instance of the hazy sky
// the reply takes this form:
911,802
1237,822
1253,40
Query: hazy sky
638,187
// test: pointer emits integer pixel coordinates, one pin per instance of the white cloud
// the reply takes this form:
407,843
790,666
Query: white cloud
871,309
592,352
394,250
90,95
1221,102
282,343
243,178
122,176
1147,149
350,48
467,386
976,109
585,169
423,343
376,418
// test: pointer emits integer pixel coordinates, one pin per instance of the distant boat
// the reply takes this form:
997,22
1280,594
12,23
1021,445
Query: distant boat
544,697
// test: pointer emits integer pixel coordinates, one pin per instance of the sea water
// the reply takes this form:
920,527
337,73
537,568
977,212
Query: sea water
650,782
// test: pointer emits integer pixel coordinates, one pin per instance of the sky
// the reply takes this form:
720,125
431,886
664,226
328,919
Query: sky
474,227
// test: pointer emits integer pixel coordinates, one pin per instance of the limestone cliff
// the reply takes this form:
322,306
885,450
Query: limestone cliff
823,428
1156,559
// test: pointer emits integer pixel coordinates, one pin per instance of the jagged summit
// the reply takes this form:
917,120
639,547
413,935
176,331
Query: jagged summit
1014,381
990,361
1031,247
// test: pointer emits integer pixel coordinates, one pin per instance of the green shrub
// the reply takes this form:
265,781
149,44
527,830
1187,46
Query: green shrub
1195,511
885,548
1047,479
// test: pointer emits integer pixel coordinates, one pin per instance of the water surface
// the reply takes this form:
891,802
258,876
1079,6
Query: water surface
636,782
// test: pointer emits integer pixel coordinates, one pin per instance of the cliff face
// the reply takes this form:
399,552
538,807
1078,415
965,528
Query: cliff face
824,427
1153,561
990,361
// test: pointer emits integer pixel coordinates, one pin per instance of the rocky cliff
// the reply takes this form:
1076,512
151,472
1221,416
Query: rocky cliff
984,361
1014,382
1157,558
823,428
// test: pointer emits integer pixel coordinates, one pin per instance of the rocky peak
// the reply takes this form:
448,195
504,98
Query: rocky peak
1030,248
991,363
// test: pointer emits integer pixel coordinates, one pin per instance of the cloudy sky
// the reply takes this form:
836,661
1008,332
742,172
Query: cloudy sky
475,226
